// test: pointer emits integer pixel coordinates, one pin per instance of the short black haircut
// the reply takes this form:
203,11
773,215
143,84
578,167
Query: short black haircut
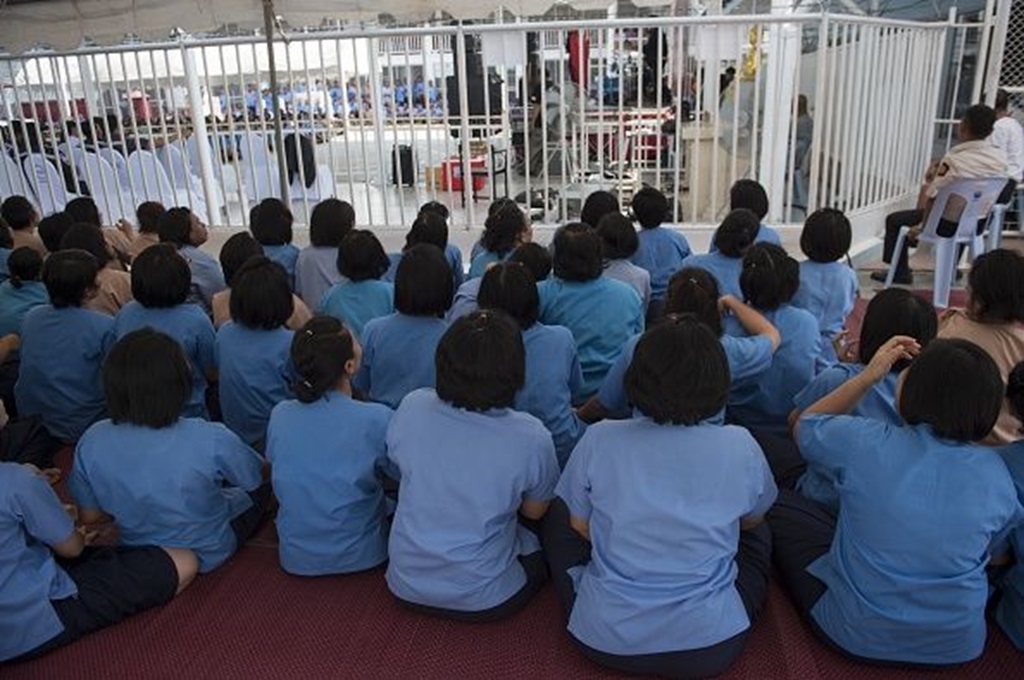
1002,100
148,216
423,282
161,277
271,222
511,288
24,264
88,237
330,222
52,229
650,207
175,226
1015,390
826,236
84,209
955,387
770,277
534,257
320,350
361,257
598,205
260,295
6,237
979,120
749,194
69,275
578,254
736,233
896,311
480,362
679,373
693,290
437,208
235,252
504,224
618,236
147,379
996,287
18,212
428,227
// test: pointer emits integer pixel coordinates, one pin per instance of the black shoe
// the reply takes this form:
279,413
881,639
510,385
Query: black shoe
901,279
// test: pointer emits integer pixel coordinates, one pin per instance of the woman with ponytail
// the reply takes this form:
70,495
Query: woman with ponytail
22,291
327,450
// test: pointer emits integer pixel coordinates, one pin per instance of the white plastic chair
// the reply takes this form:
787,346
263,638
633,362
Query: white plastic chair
113,200
118,162
48,184
322,188
151,183
259,169
13,181
964,201
179,170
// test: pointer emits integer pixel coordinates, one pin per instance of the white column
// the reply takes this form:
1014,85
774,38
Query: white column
780,92
195,105
93,100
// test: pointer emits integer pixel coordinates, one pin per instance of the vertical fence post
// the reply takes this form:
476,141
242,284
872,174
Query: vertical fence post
195,104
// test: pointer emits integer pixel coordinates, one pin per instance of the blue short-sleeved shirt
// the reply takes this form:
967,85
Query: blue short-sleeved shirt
316,270
483,260
553,375
285,255
176,487
5,272
879,403
193,330
1009,612
398,356
726,271
17,301
452,255
325,457
906,571
765,234
765,403
465,299
255,375
661,253
636,277
60,378
355,303
641,593
828,290
207,276
455,540
31,517
601,314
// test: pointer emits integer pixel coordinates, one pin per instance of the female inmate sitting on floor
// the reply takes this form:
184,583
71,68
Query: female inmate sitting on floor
506,227
636,602
271,225
362,295
470,466
327,452
899,575
182,229
619,243
662,250
113,284
431,227
730,243
163,478
1009,600
316,267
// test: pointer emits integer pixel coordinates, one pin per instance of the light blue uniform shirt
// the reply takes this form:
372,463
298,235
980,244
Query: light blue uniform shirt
906,571
765,403
828,290
60,379
287,256
176,487
661,253
5,272
486,258
765,234
316,270
663,570
192,329
637,277
451,253
879,403
255,375
601,314
398,356
354,303
207,276
465,299
15,303
456,539
1009,612
31,518
325,458
726,271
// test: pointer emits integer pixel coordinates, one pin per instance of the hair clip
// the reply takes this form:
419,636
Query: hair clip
309,333
308,385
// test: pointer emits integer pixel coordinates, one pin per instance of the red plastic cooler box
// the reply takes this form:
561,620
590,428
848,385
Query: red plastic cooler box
451,173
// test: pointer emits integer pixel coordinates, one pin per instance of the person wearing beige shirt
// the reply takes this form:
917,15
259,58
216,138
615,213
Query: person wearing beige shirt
113,284
22,218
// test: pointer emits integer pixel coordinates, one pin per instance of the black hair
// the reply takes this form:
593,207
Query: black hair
979,120
319,353
18,212
895,311
148,216
749,194
330,222
52,228
955,387
6,237
161,277
88,237
618,236
84,209
428,227
260,295
736,233
24,264
503,227
770,277
1015,390
826,236
534,257
235,252
437,208
996,283
598,205
271,222
69,275
480,362
650,207
693,290
511,288
147,379
361,257
577,253
1002,100
679,373
175,226
423,282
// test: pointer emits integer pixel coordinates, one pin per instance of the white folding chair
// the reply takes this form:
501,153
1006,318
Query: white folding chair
48,184
150,183
259,169
118,162
13,181
179,170
963,202
113,200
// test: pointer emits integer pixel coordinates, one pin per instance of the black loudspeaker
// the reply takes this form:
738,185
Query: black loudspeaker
475,92
402,159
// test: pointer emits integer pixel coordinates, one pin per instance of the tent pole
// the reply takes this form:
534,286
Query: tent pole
282,168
